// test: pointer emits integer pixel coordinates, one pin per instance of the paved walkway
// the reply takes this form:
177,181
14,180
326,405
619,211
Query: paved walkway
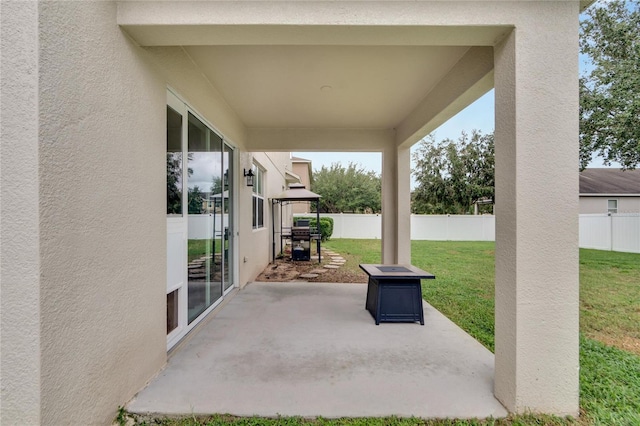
311,349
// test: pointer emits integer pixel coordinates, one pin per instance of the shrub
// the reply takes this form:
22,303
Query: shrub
326,226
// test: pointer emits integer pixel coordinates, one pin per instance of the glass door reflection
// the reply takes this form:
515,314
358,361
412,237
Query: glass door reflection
204,185
227,212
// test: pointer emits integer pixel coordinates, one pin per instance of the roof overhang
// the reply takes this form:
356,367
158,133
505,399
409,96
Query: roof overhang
291,177
334,76
297,194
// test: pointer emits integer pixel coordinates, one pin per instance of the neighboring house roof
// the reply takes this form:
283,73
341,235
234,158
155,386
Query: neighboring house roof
291,177
300,160
610,182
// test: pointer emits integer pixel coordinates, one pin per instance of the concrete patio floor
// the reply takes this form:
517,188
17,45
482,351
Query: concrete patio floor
311,349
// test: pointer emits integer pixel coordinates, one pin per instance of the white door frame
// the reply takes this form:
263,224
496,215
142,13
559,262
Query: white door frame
178,226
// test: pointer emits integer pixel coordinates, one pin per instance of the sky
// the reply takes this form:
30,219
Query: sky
477,116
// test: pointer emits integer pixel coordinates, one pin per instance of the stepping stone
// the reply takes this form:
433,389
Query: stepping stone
336,264
338,261
282,267
337,258
194,266
308,276
197,275
331,266
317,271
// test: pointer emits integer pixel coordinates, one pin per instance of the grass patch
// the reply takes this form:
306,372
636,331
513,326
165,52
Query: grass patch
609,316
201,248
464,286
218,419
609,384
610,298
356,252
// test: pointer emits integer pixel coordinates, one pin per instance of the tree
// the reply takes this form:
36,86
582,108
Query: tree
350,189
174,183
196,201
216,185
610,92
453,175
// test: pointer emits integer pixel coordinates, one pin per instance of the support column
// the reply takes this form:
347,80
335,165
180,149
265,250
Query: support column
536,135
396,205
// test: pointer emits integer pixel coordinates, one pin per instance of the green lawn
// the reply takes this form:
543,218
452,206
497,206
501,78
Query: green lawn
464,291
219,420
201,248
609,308
610,298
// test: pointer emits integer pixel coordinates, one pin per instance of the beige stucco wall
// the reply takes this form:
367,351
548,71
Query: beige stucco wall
19,218
255,244
102,221
302,169
86,178
396,205
536,332
89,252
595,205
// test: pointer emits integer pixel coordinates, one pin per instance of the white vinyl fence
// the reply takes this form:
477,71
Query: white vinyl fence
423,227
203,226
618,232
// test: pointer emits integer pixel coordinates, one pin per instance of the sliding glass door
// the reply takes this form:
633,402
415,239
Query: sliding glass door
199,218
204,186
227,218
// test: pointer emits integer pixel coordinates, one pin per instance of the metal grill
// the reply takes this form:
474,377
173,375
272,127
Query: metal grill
301,233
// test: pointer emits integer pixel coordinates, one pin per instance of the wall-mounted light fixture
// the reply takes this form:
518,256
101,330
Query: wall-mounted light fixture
249,176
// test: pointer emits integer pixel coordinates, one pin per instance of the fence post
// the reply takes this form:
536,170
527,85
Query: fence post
610,217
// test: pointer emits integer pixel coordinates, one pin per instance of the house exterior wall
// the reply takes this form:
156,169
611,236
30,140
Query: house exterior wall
593,205
89,255
255,244
102,214
302,169
87,328
19,218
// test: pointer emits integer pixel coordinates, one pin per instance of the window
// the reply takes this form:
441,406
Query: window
172,311
612,206
258,197
174,162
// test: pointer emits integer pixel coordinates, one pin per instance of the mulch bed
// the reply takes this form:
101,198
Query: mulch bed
286,270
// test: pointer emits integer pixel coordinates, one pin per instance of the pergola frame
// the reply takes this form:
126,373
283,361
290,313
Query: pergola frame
294,195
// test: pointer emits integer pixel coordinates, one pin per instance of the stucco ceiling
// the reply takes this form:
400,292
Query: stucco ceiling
313,86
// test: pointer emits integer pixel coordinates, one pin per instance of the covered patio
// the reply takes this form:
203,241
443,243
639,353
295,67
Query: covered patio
311,349
379,77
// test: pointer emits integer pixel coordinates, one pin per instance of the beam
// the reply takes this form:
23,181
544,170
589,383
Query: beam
469,79
326,35
328,140
156,23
